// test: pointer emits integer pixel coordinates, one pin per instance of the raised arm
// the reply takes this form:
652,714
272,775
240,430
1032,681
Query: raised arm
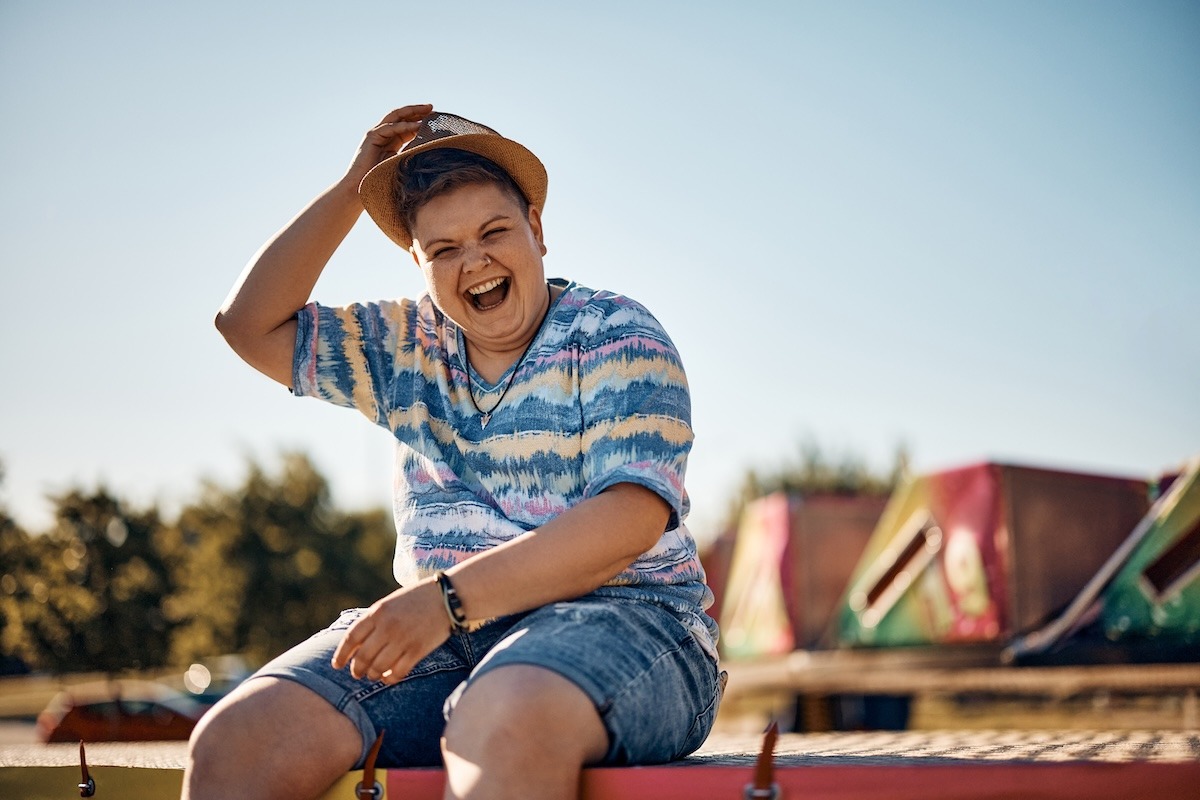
258,317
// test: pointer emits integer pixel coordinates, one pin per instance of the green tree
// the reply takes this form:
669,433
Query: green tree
251,570
19,591
87,595
16,560
272,562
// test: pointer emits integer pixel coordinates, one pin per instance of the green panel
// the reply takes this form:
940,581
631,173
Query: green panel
913,619
1133,606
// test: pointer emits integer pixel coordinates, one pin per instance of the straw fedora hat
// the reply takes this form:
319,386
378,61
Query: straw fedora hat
377,190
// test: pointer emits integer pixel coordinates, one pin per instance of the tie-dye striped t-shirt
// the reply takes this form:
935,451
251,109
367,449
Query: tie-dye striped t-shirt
599,398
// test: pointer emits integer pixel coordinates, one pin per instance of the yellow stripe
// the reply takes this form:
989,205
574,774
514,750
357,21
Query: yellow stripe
670,429
352,350
617,372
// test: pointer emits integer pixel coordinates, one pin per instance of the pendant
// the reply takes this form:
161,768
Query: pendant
486,419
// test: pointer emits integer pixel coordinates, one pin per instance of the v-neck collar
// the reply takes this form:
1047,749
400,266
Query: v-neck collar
460,343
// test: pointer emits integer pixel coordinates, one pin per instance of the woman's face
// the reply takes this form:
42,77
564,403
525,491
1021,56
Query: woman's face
482,261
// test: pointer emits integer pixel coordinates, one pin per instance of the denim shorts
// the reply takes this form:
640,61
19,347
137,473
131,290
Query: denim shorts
654,686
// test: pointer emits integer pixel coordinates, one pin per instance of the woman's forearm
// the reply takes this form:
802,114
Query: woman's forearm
572,555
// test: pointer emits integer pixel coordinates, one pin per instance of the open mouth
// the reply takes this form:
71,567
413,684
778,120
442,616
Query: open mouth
489,295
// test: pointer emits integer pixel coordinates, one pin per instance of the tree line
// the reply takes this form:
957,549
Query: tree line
250,569
816,471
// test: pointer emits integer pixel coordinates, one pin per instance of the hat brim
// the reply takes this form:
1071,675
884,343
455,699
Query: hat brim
378,197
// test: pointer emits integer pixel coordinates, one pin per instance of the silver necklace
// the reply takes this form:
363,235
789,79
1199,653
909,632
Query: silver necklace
486,416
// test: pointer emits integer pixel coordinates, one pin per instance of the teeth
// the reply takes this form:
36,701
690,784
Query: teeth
485,287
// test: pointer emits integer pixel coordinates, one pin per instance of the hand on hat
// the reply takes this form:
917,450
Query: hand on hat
385,139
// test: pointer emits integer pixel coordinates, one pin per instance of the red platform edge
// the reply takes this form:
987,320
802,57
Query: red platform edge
1140,780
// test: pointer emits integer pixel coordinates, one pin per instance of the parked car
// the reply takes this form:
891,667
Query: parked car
119,711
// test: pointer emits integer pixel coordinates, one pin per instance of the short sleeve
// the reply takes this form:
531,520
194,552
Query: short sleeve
347,355
636,408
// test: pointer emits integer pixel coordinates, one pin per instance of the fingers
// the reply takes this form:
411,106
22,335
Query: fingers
374,659
396,129
365,663
409,113
385,663
402,122
351,641
363,648
388,640
393,135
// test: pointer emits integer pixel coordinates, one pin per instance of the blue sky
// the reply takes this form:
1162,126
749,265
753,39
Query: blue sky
969,227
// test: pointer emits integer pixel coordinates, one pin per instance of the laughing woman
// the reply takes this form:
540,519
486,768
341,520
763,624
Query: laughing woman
551,609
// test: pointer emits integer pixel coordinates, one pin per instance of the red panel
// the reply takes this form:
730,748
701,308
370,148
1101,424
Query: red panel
966,503
828,534
415,784
1062,781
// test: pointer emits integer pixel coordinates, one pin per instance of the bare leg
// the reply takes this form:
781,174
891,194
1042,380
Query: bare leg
270,738
521,732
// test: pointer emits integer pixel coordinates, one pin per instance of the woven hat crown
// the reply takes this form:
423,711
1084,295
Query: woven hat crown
441,130
438,126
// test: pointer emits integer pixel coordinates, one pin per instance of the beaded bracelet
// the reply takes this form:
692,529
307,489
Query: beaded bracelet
454,610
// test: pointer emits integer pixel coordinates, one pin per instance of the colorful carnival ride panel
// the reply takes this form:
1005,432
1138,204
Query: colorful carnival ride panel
1148,591
754,615
1157,591
789,567
980,553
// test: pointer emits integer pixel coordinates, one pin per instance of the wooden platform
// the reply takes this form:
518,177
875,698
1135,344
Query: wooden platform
835,766
961,688
946,670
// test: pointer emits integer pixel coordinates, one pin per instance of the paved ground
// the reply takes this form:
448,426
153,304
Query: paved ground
17,732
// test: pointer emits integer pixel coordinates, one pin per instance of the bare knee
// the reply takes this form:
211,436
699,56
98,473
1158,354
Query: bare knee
517,722
218,734
521,706
250,744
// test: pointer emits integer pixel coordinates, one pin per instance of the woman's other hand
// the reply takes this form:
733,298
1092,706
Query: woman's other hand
394,634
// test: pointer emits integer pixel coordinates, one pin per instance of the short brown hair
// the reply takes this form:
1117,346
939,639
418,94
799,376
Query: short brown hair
428,175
